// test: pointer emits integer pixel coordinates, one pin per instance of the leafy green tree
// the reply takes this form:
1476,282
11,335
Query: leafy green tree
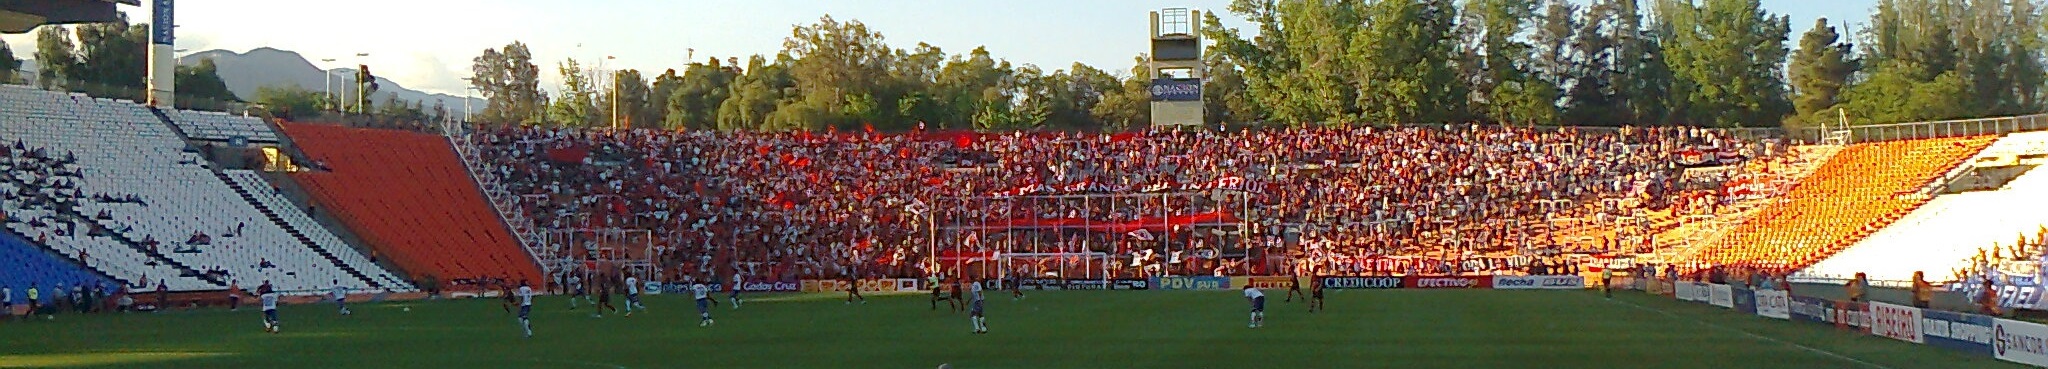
626,100
510,85
200,86
10,66
697,96
289,101
577,106
1820,71
54,57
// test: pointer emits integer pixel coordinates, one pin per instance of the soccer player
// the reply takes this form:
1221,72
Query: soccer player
735,286
974,312
1017,287
853,289
1607,280
1294,288
938,291
33,304
1258,300
234,296
576,290
6,303
269,300
633,295
525,308
341,297
1315,295
958,302
604,299
704,302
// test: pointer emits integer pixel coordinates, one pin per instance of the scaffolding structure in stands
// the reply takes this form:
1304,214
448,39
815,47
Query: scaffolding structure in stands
1087,235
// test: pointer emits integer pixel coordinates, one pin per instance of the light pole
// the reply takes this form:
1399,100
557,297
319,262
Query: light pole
615,96
327,75
465,98
360,102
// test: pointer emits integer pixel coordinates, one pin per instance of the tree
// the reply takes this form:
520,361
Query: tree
1130,105
54,57
9,65
1728,57
200,86
510,85
696,97
1819,71
628,95
576,107
289,101
832,60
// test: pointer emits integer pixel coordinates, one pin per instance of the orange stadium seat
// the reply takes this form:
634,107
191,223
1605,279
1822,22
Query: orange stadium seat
410,198
1863,189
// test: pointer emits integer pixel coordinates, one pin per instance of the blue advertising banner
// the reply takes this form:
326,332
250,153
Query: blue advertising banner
1811,309
1177,89
1967,332
1191,283
1745,301
161,24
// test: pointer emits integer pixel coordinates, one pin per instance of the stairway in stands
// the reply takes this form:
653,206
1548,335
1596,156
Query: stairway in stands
268,213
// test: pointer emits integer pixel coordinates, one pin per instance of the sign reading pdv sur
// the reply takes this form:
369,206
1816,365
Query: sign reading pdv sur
1191,283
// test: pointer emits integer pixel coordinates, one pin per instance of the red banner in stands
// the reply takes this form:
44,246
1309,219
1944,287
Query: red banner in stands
569,154
1154,224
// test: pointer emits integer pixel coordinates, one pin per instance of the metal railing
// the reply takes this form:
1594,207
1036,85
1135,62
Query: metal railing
1948,128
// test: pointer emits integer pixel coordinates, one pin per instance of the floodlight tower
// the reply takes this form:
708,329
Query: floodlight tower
1177,69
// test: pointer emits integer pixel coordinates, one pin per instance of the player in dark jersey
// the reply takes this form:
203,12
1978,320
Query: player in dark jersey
959,303
1016,287
604,299
1315,295
938,292
1294,289
853,290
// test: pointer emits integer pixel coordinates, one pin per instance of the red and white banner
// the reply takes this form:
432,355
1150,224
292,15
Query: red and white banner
1774,304
1896,322
1539,282
1225,183
1414,281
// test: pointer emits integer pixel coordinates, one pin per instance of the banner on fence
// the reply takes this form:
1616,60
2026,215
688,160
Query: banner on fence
1967,332
1745,300
1359,283
1264,283
2019,342
1774,304
1895,322
1539,282
1191,283
1454,281
1721,295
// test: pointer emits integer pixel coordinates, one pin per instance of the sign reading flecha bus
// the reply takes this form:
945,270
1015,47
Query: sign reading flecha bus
1177,89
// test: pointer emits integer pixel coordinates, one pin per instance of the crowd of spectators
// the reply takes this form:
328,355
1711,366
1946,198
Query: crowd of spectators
1286,200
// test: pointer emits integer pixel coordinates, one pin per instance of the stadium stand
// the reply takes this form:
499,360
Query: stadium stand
409,197
1860,190
217,126
135,188
1944,234
28,265
306,230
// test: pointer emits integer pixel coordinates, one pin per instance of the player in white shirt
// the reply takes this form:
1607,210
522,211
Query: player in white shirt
1258,300
576,290
633,295
974,310
340,297
269,300
704,302
525,307
736,285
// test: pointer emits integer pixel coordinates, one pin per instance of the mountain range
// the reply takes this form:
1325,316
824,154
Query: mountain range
244,73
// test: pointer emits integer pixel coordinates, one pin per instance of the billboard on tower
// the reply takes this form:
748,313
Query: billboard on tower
161,25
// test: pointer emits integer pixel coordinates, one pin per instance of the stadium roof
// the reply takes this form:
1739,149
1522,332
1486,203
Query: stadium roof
18,16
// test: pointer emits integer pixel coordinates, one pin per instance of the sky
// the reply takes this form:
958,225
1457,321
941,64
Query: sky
428,45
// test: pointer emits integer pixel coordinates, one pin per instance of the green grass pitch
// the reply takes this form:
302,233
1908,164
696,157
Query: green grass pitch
1462,329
